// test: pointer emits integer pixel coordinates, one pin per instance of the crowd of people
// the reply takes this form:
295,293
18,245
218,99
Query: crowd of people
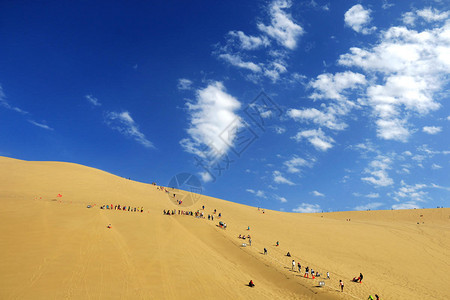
123,207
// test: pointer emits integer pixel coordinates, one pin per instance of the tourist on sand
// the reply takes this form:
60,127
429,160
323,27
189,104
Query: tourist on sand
299,267
293,265
328,275
109,226
250,241
360,277
288,254
251,284
278,243
248,227
342,285
265,251
306,272
370,297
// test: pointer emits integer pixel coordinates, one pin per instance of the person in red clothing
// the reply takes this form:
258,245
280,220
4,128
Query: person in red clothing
251,284
342,285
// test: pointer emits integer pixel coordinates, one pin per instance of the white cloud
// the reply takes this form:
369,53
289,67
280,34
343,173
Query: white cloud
5,103
431,129
307,208
281,199
372,195
279,178
213,111
448,118
432,15
317,194
237,61
124,123
279,129
373,205
394,129
293,165
378,169
282,27
406,205
327,119
184,84
436,167
248,42
409,18
357,18
40,125
411,68
329,86
316,137
257,193
94,101
206,177
412,192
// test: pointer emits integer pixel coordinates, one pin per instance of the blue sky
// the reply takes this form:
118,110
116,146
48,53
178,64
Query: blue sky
295,106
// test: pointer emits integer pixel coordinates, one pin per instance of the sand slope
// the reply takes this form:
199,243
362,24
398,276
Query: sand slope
56,248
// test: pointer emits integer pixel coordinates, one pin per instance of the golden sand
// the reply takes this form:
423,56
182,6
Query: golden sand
56,248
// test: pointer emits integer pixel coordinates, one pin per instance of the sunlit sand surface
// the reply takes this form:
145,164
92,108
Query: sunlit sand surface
56,248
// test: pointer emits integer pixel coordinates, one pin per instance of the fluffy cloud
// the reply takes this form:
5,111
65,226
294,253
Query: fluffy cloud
431,129
248,42
378,169
316,137
282,28
357,18
307,208
257,193
124,123
406,205
279,178
213,110
373,205
237,61
413,193
94,101
329,86
432,15
317,194
411,68
436,167
281,199
293,165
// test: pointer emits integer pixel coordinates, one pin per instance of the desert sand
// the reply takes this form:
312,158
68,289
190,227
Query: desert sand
56,248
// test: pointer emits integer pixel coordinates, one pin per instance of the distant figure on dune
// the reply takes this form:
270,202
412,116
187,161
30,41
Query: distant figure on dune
328,275
248,227
251,284
278,243
250,241
299,267
306,272
342,285
360,277
265,251
109,226
293,265
288,254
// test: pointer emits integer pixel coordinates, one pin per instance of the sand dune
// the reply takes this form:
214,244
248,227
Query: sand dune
57,248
